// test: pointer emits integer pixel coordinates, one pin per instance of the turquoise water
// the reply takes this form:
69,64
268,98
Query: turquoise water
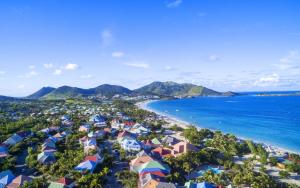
273,120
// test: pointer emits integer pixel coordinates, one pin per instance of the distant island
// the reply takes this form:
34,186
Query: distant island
278,94
158,89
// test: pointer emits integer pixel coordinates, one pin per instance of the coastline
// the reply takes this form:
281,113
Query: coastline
184,124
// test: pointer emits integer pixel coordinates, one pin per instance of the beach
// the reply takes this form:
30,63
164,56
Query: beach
274,150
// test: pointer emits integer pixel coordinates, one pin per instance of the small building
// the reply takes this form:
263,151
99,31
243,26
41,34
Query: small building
3,151
183,147
6,177
130,144
19,181
62,183
86,166
46,158
204,184
84,128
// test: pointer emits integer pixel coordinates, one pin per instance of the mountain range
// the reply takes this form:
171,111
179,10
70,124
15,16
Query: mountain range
162,89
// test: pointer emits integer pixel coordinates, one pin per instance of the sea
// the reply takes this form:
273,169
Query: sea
272,120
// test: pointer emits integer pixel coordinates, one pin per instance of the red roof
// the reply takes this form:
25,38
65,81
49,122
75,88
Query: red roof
129,123
91,158
162,151
158,173
65,181
122,134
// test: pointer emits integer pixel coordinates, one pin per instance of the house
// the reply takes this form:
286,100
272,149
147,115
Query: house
156,142
59,136
169,140
183,147
116,124
96,134
162,152
3,150
84,128
82,140
130,144
62,183
65,118
153,167
46,158
90,145
198,185
19,181
148,144
13,140
95,158
125,134
154,181
142,153
86,166
6,177
139,161
98,120
139,129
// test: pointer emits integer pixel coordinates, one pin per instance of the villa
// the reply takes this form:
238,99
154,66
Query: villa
154,181
95,158
62,183
130,144
46,158
198,185
13,140
86,166
84,128
6,177
139,161
3,150
169,140
162,152
183,147
98,120
19,181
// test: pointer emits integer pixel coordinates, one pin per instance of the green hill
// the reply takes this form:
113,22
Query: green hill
174,89
40,93
163,89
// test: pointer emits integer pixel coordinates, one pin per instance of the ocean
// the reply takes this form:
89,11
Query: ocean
273,120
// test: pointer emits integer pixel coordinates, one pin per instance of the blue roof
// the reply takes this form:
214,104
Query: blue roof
97,118
6,177
199,185
86,166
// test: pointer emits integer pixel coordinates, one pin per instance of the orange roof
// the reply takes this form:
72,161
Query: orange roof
141,160
162,151
65,181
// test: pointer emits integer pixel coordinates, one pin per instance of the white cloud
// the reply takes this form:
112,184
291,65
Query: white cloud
137,65
118,54
86,76
48,65
71,66
31,67
2,72
57,72
174,4
290,61
32,73
107,37
267,80
213,57
168,68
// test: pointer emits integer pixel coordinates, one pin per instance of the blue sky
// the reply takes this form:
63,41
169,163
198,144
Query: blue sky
225,45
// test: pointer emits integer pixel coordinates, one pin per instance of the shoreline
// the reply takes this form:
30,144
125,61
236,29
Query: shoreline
184,124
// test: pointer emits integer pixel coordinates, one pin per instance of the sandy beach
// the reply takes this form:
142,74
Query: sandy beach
183,124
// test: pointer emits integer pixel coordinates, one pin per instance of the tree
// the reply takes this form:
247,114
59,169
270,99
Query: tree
284,174
128,179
